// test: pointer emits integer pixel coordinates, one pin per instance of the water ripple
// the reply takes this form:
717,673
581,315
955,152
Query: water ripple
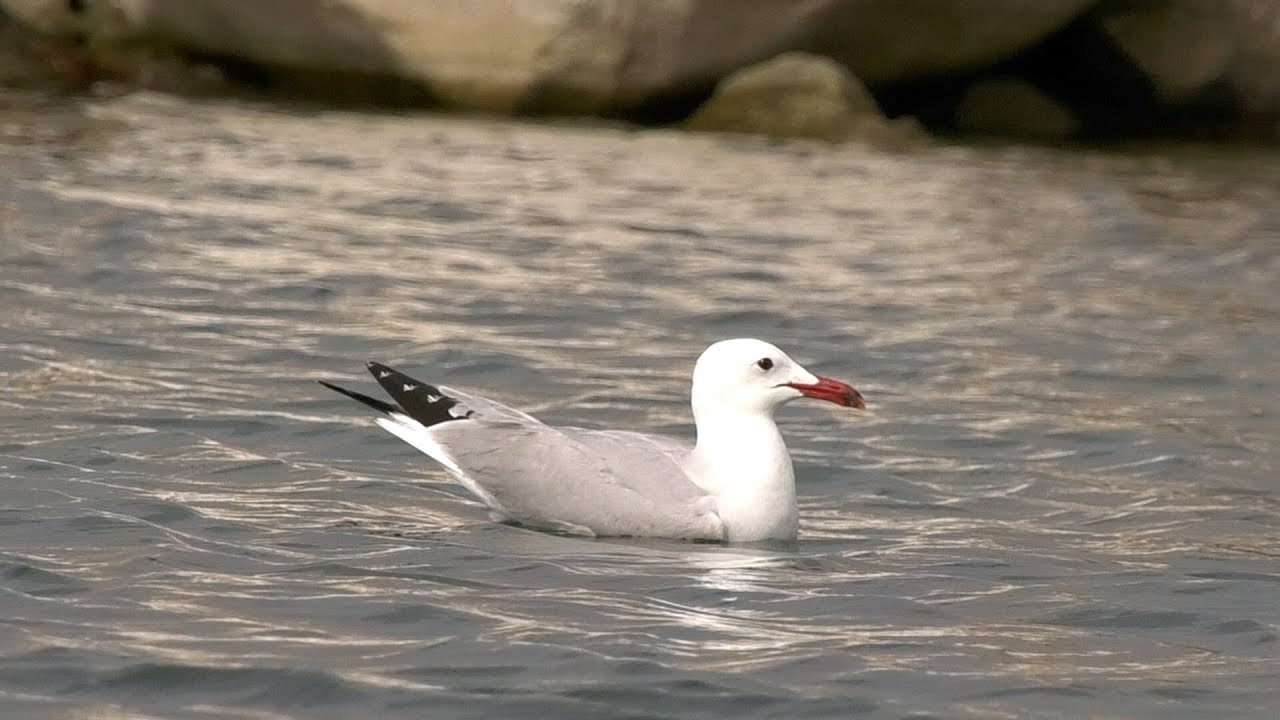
1063,501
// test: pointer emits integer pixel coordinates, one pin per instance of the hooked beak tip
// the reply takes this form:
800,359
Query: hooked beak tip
855,400
834,391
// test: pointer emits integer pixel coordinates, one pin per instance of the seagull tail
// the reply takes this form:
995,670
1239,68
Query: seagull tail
404,425
375,403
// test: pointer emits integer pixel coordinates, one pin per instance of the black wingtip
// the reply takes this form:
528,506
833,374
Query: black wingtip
421,401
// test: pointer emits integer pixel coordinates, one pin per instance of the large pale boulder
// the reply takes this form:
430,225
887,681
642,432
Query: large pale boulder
558,56
1180,45
1186,46
630,57
554,56
469,54
885,41
792,95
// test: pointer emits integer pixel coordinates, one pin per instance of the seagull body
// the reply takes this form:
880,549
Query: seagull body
735,484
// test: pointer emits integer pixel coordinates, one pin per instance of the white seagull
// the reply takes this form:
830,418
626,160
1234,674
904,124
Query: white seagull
735,484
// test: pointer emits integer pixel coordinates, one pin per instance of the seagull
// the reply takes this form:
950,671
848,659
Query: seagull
736,484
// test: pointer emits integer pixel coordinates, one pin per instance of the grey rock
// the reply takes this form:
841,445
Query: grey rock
792,95
1181,45
562,56
628,57
884,41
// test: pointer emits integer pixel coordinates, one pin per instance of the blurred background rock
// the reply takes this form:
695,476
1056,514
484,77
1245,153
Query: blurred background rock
1051,69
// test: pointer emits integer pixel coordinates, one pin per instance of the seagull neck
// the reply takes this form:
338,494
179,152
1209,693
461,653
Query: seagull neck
742,460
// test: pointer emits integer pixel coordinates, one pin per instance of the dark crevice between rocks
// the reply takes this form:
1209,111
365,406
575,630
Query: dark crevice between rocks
667,108
552,100
341,88
931,100
1214,113
1080,68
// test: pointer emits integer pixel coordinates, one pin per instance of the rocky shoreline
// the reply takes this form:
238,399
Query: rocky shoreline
833,69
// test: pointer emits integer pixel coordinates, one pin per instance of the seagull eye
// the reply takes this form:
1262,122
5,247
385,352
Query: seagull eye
764,364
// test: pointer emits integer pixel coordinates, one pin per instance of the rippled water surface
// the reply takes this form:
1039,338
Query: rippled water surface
1064,502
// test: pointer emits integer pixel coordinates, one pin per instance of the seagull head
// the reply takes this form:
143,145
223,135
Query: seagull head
753,376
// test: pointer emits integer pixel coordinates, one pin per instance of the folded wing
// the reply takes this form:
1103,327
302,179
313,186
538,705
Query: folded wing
566,479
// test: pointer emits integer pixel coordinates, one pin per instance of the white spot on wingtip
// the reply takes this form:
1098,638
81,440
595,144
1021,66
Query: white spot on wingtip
408,387
433,398
384,373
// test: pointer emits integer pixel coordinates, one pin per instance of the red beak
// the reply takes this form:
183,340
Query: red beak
832,391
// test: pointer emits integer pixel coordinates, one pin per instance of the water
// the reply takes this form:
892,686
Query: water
1064,502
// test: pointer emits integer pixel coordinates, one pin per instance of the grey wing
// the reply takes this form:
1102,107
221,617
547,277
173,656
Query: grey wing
675,449
487,410
596,482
